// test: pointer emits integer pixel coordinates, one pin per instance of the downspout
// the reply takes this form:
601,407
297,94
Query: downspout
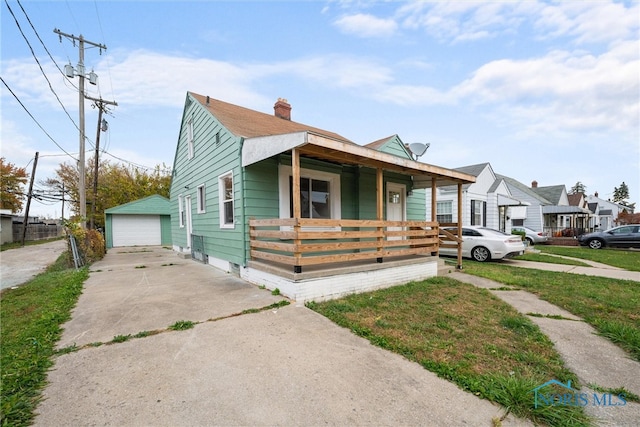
245,226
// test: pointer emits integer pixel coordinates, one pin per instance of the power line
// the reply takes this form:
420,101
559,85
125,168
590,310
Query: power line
38,62
44,46
36,121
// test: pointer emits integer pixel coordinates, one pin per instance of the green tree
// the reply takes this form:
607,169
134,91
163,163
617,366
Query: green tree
621,194
117,184
578,188
12,179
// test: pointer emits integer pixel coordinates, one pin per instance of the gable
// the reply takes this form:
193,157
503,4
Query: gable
152,205
391,145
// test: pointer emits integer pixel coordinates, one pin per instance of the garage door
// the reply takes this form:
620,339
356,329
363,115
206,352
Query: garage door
136,230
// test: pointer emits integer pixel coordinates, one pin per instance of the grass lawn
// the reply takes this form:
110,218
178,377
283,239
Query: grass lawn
464,334
609,305
626,259
30,322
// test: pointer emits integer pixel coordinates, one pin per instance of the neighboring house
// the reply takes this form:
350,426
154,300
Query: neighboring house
281,203
487,202
6,226
561,219
605,212
144,222
531,215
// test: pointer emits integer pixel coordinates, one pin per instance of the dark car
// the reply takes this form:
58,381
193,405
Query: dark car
624,236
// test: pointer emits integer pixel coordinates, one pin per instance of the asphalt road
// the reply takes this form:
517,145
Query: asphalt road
18,266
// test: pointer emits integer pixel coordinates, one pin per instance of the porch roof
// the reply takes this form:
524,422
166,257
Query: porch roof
318,146
553,209
504,200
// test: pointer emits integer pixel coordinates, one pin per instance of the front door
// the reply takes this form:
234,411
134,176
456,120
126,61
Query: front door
188,224
395,206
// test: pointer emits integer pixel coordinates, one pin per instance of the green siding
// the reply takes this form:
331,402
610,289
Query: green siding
210,160
165,230
396,147
108,231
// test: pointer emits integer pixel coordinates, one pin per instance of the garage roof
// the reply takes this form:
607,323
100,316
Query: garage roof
152,205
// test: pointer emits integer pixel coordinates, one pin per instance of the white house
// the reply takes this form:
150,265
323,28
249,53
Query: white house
487,202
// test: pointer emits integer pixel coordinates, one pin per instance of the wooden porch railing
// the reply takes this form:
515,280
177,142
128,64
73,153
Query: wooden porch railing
300,242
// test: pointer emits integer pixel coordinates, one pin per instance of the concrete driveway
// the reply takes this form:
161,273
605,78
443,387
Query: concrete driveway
287,366
18,266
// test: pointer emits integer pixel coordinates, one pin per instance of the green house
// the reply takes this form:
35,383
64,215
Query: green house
144,222
287,205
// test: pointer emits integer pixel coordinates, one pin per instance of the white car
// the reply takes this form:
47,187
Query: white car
484,244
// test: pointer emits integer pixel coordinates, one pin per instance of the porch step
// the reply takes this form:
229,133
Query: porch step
184,255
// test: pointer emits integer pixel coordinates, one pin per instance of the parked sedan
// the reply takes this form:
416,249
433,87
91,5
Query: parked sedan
532,236
484,244
624,236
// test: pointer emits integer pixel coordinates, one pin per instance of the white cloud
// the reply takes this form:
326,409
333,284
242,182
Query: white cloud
364,25
563,90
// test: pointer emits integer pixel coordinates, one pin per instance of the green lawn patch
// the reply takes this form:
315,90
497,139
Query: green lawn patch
15,245
626,259
465,335
30,322
609,305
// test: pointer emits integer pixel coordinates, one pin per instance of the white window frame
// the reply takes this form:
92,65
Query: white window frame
181,210
284,192
443,204
190,138
222,200
201,199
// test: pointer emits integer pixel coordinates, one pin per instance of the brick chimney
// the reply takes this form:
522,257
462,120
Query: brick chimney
534,184
596,194
282,109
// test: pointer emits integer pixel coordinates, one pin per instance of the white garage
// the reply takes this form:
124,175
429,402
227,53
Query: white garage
136,230
144,222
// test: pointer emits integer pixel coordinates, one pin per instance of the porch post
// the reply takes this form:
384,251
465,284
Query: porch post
295,189
433,199
459,266
379,213
434,213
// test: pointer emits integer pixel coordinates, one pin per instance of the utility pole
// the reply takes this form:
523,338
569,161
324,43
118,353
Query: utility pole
29,194
93,80
100,104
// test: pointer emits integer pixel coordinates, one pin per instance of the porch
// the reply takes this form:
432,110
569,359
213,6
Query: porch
309,255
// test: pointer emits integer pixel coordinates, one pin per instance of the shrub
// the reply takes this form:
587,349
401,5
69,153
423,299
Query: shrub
90,243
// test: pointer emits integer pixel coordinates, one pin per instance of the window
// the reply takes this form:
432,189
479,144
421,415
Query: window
444,211
478,212
315,198
319,194
181,210
190,138
201,199
225,186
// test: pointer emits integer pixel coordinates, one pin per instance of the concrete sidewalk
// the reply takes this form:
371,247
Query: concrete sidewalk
288,366
596,269
594,359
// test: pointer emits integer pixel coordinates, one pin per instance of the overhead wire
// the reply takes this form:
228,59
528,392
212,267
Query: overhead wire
39,65
35,120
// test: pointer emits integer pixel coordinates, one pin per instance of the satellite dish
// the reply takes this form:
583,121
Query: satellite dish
418,148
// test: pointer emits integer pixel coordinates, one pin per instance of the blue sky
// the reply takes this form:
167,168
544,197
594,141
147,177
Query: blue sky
545,91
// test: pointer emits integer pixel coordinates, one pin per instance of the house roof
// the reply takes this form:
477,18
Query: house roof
249,123
379,143
552,192
474,170
527,190
152,205
267,135
574,199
